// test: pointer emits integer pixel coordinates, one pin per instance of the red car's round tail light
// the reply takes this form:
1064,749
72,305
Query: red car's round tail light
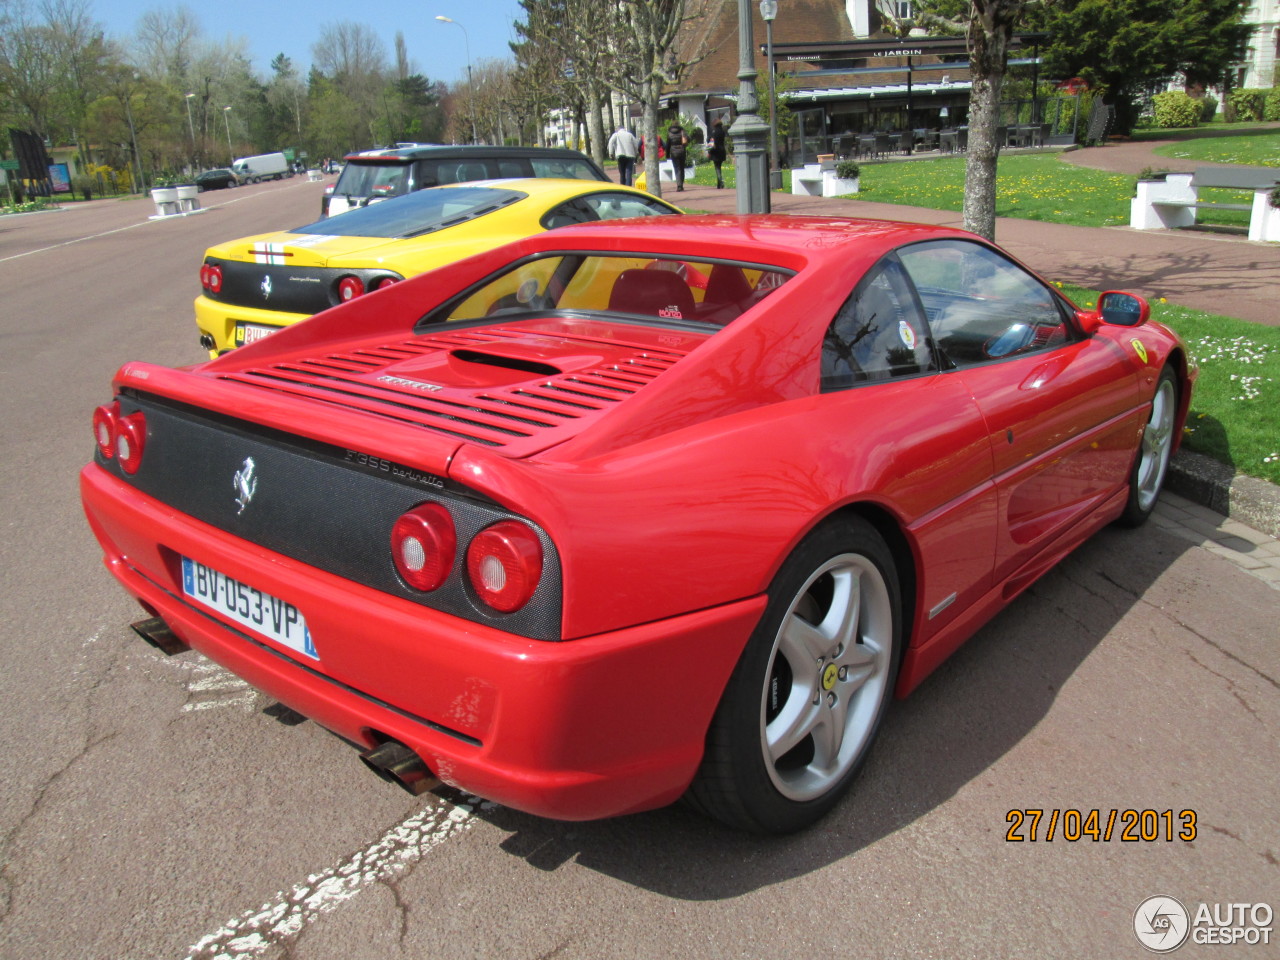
504,564
131,439
349,288
106,420
423,544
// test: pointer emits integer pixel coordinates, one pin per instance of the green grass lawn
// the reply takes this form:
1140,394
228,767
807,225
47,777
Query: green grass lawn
1258,148
1233,415
1030,187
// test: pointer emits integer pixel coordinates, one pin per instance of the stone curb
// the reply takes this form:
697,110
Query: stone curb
1248,500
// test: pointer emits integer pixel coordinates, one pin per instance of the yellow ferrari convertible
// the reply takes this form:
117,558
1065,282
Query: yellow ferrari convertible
254,286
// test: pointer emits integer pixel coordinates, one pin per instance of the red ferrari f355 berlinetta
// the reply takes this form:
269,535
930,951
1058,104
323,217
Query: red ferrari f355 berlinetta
633,511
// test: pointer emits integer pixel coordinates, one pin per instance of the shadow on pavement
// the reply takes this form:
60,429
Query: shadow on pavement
961,721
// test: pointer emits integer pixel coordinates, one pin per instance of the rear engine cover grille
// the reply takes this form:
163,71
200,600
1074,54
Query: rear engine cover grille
520,417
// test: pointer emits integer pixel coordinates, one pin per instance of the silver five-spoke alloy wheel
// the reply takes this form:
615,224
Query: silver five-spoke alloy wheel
1157,442
829,672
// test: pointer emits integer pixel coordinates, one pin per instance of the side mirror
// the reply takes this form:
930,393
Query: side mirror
1123,309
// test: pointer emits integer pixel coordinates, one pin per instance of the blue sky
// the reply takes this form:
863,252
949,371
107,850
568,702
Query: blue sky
288,26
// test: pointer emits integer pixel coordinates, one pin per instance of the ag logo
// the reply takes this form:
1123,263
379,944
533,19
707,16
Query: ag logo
1161,924
266,287
1139,348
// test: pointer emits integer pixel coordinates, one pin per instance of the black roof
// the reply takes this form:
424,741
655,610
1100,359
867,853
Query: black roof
462,152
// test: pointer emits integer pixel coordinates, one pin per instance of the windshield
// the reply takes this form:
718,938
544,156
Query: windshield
416,213
380,179
711,292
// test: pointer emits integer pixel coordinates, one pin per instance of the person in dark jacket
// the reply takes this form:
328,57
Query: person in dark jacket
677,144
717,152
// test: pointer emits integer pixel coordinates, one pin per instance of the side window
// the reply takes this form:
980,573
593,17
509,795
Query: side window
510,167
616,206
981,306
568,213
879,333
563,168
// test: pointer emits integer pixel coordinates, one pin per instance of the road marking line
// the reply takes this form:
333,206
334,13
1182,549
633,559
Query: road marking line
283,918
96,236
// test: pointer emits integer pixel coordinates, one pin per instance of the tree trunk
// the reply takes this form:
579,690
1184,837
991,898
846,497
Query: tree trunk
989,35
649,126
595,127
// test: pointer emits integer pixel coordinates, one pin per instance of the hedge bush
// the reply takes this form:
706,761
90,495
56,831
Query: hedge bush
1173,108
1271,106
1249,103
1208,109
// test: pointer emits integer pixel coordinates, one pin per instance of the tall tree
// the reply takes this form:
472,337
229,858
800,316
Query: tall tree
649,61
1124,47
354,59
578,43
988,26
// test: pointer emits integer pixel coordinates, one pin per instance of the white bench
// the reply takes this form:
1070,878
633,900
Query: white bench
816,180
1173,201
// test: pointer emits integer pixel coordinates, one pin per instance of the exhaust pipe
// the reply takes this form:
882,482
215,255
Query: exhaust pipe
157,633
396,763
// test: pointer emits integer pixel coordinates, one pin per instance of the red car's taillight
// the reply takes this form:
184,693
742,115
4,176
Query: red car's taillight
105,422
423,544
131,439
211,277
349,288
504,564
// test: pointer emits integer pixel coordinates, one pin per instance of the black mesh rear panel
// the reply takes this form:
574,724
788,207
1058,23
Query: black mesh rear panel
317,506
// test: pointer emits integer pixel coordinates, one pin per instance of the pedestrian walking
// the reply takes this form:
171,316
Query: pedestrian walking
624,147
677,149
717,152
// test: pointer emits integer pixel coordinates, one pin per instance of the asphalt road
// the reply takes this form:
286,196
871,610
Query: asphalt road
155,808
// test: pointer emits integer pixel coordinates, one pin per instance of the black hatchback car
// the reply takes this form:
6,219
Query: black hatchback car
216,179
380,174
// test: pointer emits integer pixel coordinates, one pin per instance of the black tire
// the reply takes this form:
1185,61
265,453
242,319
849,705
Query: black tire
763,770
1151,463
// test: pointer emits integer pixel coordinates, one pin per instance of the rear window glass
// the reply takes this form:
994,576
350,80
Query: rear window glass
415,214
710,292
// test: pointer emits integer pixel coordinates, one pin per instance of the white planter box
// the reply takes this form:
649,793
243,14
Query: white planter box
166,201
812,181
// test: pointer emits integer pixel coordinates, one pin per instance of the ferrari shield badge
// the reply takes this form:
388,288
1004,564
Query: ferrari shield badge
906,334
1139,348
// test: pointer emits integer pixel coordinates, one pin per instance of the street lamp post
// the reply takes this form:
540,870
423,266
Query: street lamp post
471,90
226,119
768,11
748,130
191,125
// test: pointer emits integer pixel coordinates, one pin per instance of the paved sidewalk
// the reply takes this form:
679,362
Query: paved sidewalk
1252,550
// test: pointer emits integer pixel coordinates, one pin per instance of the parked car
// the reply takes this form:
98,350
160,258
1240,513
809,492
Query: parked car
628,511
218,179
380,174
256,285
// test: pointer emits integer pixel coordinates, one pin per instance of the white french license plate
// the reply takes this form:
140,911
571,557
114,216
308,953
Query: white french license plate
248,606
247,333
